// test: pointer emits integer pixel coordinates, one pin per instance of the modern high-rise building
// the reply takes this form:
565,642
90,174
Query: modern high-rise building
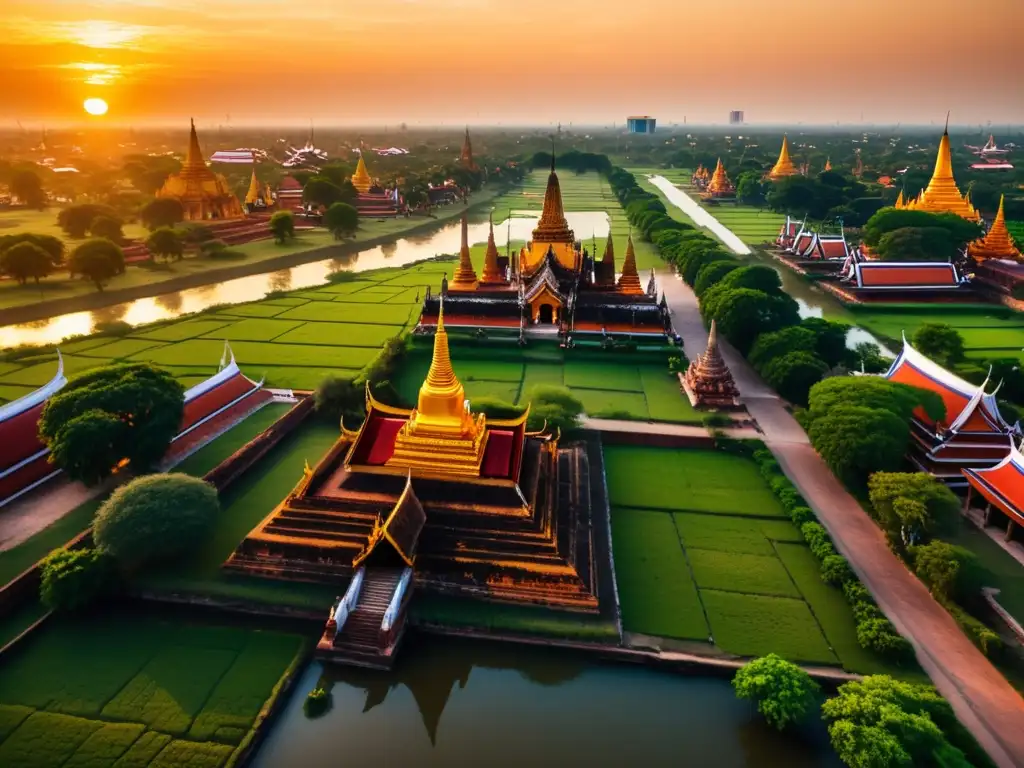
736,117
641,124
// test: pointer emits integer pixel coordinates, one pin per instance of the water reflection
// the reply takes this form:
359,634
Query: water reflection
254,287
454,703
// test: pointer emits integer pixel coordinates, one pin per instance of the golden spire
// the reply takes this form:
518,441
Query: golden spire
828,163
629,280
784,166
997,243
465,276
194,158
609,250
253,195
553,227
361,178
491,273
942,194
467,153
720,185
899,200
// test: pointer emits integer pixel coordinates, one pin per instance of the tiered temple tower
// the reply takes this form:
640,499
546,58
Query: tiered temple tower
720,186
492,273
629,280
707,381
942,194
361,178
997,243
466,158
465,276
552,232
784,165
257,195
203,194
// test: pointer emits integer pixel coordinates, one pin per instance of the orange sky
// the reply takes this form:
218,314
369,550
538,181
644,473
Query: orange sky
512,61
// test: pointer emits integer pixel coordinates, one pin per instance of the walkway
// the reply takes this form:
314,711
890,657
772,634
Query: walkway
981,697
664,428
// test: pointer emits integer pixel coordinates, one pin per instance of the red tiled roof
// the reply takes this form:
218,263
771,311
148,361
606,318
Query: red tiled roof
210,401
1002,485
882,274
471,321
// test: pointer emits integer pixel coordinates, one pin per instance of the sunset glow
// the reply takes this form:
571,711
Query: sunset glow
95,107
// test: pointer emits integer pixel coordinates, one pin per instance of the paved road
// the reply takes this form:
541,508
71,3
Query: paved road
988,705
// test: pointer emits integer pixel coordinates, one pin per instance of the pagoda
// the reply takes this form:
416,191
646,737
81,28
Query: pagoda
361,178
203,194
708,382
997,242
257,196
629,281
942,194
828,163
466,505
784,165
552,233
720,186
466,158
604,271
494,273
465,276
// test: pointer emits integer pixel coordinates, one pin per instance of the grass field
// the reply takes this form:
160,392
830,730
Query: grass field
152,693
703,551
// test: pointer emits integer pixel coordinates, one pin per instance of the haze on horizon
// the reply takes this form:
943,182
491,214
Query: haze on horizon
516,62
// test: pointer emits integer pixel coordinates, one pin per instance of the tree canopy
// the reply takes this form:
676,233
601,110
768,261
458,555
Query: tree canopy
743,313
341,219
941,342
556,406
77,220
793,374
855,441
97,259
73,579
162,212
28,188
165,243
282,225
911,507
887,220
108,227
25,261
109,414
784,693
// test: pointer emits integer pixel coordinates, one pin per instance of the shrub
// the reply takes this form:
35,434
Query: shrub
801,515
880,636
338,397
987,640
793,374
557,406
114,328
835,570
155,518
496,408
783,692
342,276
317,702
74,579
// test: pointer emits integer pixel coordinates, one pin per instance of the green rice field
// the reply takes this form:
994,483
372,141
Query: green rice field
155,692
704,552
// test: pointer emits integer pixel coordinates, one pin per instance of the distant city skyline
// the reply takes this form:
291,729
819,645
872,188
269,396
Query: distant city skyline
486,62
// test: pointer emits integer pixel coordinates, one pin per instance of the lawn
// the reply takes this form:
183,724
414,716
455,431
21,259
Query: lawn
696,556
155,692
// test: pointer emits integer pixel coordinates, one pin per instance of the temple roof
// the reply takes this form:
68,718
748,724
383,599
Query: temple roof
784,165
38,397
968,407
720,184
1002,484
997,242
196,182
629,280
401,529
361,178
491,273
902,275
942,194
543,279
553,226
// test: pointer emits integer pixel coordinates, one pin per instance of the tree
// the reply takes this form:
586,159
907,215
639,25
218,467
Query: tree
712,273
556,406
830,340
107,227
73,579
28,188
744,313
783,692
76,220
749,188
868,356
918,244
165,243
961,231
341,219
793,374
795,338
937,564
319,191
496,408
340,398
912,506
25,260
162,212
154,518
875,392
757,277
700,257
97,259
855,441
109,414
941,342
282,225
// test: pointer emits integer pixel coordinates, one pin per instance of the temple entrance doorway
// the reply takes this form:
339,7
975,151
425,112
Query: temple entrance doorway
384,556
546,314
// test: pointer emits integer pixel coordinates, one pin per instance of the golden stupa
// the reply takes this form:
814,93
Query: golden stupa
629,280
361,178
997,243
491,273
465,276
203,194
828,163
942,194
784,165
441,435
720,186
552,231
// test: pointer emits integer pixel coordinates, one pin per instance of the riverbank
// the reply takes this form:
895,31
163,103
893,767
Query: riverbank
30,312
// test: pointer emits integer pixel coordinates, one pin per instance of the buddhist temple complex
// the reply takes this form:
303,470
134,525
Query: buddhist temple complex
784,165
203,194
553,285
972,434
466,158
435,499
720,186
942,194
708,382
997,242
24,459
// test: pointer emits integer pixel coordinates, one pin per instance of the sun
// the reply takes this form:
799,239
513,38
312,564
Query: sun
95,106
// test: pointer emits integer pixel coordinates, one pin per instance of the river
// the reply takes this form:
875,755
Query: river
464,703
446,239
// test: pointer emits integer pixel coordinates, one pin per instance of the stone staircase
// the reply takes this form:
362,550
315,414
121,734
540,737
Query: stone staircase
360,641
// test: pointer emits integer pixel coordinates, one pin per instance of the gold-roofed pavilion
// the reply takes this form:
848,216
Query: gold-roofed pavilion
203,194
784,165
942,194
361,178
997,242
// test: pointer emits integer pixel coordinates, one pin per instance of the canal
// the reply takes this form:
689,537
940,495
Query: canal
469,703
